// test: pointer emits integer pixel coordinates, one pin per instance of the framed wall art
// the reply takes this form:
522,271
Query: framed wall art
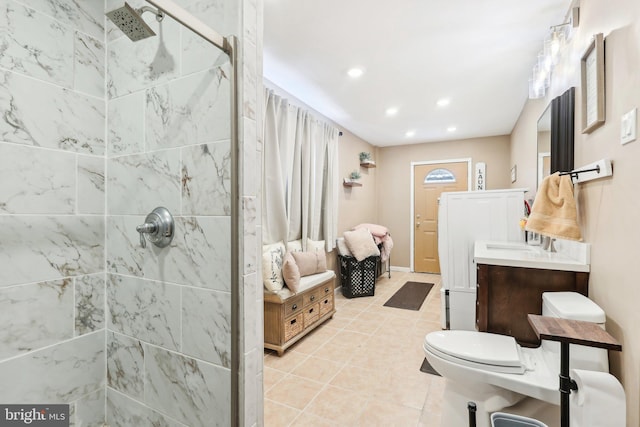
592,76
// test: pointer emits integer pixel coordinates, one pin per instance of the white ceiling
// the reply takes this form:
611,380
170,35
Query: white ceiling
479,54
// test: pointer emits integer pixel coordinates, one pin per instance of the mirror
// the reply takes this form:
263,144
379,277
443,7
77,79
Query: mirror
555,136
544,145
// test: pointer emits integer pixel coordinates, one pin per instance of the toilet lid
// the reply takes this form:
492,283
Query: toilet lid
498,352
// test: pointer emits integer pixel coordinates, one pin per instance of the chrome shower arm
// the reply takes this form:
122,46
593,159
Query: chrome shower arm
158,12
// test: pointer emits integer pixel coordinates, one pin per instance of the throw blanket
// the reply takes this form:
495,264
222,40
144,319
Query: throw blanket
554,209
380,235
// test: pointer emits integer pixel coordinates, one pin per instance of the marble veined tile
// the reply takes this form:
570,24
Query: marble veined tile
198,54
41,248
251,365
86,16
252,160
250,80
139,183
91,185
188,111
135,66
200,254
89,297
126,124
193,392
250,20
206,179
88,76
124,253
249,313
35,45
206,325
36,181
250,243
125,412
89,410
34,316
220,15
147,310
125,364
58,374
40,114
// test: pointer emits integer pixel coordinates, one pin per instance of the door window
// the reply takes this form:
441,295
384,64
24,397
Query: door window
439,176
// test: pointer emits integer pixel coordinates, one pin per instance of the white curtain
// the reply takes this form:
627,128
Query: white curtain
300,183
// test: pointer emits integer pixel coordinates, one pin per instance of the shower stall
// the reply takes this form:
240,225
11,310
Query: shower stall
97,132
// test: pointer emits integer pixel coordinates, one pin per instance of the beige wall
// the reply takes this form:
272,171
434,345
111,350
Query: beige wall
394,180
357,204
608,208
524,145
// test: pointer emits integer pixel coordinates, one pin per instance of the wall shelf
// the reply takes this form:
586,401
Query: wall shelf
368,164
348,183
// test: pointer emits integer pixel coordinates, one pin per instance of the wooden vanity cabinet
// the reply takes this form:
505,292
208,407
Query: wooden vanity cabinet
505,295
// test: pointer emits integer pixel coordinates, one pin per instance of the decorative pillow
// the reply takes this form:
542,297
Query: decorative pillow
272,266
310,262
315,245
360,243
291,273
342,247
374,229
294,246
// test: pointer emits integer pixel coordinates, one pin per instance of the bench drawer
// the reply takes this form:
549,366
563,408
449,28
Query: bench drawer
311,314
292,307
326,305
293,326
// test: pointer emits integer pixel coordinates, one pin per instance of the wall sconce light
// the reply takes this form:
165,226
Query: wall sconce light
548,57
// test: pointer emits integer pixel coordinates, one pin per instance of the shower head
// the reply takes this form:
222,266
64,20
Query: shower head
130,21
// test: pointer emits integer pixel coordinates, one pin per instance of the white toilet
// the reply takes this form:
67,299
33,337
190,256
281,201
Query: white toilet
498,374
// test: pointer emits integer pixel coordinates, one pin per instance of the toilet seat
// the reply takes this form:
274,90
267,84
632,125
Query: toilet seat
491,352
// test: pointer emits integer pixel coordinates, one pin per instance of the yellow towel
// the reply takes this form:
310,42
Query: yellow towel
554,209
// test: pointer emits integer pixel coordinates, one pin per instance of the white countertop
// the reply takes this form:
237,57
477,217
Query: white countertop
515,254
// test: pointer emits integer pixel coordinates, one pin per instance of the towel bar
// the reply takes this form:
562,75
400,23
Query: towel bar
600,169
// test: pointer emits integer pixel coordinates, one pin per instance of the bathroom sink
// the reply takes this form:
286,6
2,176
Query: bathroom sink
509,247
519,254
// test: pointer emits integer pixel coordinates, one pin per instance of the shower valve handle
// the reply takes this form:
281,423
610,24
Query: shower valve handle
147,227
159,228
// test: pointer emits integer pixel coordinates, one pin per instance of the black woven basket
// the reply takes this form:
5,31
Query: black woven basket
358,279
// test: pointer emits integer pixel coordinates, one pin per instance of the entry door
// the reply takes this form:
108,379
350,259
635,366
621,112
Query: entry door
430,181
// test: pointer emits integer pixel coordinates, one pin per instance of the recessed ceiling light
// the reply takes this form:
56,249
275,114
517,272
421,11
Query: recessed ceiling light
355,72
451,129
410,133
392,111
443,102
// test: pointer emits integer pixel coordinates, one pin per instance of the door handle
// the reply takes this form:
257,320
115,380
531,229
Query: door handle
417,224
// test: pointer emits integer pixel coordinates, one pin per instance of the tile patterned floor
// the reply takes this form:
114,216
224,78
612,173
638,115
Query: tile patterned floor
361,368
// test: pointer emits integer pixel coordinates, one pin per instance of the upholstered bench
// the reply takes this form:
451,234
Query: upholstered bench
288,317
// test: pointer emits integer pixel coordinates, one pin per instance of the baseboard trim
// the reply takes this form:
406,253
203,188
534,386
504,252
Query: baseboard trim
401,269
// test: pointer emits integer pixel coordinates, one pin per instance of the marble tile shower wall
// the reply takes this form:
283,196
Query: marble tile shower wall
52,205
168,144
153,118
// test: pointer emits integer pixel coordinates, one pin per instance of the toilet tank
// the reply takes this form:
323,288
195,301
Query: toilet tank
575,306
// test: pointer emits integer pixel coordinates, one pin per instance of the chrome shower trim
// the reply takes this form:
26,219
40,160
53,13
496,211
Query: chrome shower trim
237,259
194,24
158,12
